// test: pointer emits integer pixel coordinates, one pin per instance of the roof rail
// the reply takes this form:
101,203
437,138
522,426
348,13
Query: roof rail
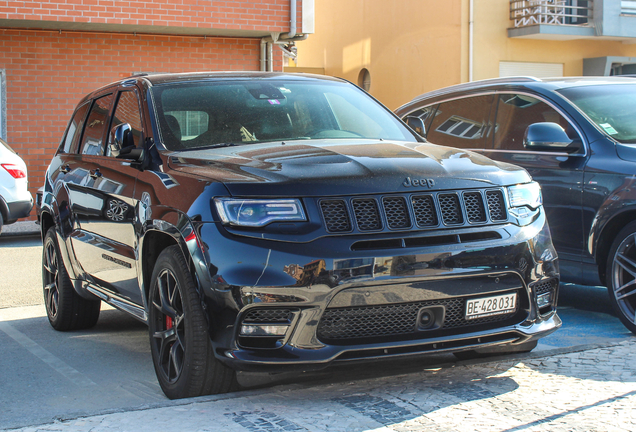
475,84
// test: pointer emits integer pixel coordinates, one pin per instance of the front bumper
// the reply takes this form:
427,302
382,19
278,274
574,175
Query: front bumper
296,286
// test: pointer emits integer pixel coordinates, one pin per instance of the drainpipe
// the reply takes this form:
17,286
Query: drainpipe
292,20
267,43
263,55
270,56
471,30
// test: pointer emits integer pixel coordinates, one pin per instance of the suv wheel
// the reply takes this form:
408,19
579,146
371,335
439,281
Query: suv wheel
179,341
621,276
65,308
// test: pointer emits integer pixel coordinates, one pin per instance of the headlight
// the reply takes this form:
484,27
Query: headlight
258,213
528,195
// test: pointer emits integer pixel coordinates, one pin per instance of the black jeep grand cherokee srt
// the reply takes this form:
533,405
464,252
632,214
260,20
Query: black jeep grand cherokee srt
264,221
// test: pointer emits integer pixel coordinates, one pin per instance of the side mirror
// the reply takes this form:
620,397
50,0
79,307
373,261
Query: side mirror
549,137
417,125
122,144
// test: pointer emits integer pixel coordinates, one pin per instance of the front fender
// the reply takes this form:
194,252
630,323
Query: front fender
182,231
619,206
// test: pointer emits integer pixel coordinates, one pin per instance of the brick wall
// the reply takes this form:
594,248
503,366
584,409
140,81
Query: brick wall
261,15
47,73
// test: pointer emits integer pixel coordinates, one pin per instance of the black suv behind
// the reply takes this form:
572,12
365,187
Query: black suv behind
270,221
577,138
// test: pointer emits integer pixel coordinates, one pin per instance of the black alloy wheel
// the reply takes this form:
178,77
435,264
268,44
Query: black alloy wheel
179,340
621,276
65,309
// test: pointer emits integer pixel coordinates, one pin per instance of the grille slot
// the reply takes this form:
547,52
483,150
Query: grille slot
268,315
336,215
338,325
424,209
544,287
367,214
451,210
496,206
397,214
475,210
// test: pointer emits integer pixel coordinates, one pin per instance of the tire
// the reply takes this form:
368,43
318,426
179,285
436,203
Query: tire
65,308
180,344
621,276
1,222
496,351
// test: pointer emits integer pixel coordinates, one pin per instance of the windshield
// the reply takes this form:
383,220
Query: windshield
611,107
239,112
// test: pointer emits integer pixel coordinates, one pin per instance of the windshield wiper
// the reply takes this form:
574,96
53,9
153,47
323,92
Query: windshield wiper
212,146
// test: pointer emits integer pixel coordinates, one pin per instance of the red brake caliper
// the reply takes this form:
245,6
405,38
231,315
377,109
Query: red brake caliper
168,323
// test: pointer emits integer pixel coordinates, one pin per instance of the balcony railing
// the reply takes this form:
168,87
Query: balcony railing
526,13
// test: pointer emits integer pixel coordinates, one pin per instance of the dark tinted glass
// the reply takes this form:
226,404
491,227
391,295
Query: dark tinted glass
515,112
246,112
462,123
93,138
74,130
127,111
611,107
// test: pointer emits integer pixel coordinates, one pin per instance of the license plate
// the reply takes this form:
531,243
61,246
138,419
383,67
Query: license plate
489,306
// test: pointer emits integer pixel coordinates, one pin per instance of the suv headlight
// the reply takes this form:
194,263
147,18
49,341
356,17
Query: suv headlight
258,213
524,200
528,195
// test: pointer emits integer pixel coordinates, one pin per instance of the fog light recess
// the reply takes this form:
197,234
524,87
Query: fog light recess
263,330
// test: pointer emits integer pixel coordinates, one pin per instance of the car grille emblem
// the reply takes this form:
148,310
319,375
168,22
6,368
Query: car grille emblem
419,182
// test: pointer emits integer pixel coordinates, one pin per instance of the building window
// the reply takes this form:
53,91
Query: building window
364,79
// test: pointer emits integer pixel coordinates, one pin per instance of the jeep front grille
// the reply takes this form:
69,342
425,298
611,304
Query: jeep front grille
406,211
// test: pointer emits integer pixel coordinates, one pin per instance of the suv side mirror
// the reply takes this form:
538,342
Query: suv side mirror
417,125
122,144
549,137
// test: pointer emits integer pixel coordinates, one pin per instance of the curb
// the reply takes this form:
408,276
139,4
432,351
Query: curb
21,228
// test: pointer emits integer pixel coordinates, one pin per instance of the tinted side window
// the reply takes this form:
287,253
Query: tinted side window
515,112
92,140
74,130
462,123
127,111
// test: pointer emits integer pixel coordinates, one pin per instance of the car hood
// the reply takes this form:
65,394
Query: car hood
330,167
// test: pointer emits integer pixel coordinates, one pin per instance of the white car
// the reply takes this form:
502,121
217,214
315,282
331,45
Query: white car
15,199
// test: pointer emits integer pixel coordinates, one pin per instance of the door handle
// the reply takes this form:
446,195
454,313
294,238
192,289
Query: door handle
96,173
66,168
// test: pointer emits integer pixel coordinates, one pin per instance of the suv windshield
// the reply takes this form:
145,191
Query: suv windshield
241,112
611,107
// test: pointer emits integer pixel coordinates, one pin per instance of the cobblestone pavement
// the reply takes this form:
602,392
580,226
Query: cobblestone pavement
590,390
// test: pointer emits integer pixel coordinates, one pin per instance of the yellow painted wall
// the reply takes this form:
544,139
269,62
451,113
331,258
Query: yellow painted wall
408,46
414,46
493,45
